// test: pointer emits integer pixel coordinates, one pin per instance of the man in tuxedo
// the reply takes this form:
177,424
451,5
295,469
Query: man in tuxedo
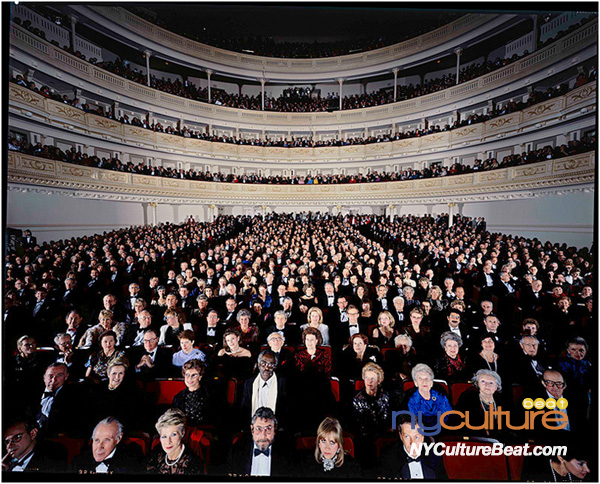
42,312
23,451
259,456
153,361
381,303
74,327
71,296
107,455
341,334
229,315
328,299
58,402
454,324
73,358
267,389
398,311
211,333
134,295
28,240
288,331
406,460
486,280
134,336
527,366
533,299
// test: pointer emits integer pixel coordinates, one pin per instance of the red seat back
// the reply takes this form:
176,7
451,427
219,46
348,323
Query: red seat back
359,385
335,389
457,390
165,390
231,392
474,467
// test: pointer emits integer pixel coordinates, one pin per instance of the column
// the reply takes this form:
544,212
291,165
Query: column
237,132
395,70
208,74
391,210
458,52
211,212
535,32
262,93
29,75
451,206
73,19
263,210
153,206
341,81
147,54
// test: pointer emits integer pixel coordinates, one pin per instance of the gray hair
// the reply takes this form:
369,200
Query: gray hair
242,313
275,334
59,336
529,336
108,421
397,298
450,336
266,414
491,373
279,313
421,368
403,336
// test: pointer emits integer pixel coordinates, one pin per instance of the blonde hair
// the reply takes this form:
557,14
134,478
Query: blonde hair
389,315
375,368
330,426
172,418
317,310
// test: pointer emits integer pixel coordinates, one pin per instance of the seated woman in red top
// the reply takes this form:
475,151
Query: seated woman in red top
313,358
311,388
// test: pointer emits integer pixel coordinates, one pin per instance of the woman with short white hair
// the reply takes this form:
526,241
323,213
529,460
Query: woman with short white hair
425,398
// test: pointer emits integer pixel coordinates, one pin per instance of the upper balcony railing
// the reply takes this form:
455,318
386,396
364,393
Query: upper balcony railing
208,54
26,101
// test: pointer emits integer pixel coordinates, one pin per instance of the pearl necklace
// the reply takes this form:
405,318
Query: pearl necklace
176,460
554,473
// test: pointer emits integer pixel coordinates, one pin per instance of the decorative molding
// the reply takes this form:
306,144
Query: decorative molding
55,113
565,175
562,49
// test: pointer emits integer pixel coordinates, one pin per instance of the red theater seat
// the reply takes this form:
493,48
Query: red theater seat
474,467
457,389
165,390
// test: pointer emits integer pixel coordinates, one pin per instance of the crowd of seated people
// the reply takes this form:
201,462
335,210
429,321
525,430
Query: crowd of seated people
285,328
435,170
305,142
286,103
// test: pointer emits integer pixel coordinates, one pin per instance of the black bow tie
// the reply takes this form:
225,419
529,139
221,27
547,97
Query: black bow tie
106,462
150,353
354,325
410,459
267,451
48,394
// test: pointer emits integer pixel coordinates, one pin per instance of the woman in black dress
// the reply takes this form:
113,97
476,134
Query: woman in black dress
194,401
330,460
173,456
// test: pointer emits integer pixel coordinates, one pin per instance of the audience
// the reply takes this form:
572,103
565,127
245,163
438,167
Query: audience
336,255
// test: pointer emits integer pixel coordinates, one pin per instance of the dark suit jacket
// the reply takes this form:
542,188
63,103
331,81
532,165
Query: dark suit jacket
63,413
127,460
394,464
240,460
47,457
162,368
280,406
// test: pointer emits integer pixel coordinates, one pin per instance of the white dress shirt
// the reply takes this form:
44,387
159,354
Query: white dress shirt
102,468
261,464
415,468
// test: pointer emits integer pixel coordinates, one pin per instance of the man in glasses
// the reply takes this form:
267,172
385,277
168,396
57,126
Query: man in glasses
554,386
24,453
259,456
265,390
153,361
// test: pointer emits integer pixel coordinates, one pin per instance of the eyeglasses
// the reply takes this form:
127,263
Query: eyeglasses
268,429
15,439
353,314
150,340
265,364
557,384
